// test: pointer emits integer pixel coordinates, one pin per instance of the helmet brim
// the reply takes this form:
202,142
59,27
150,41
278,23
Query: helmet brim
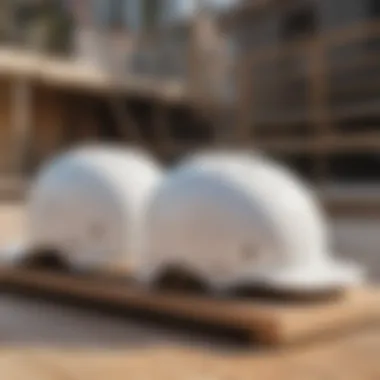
324,277
331,276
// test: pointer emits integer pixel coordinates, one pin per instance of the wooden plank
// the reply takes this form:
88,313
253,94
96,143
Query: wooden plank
268,322
77,76
339,143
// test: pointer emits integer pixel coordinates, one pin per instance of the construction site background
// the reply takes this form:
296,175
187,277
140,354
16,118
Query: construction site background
296,79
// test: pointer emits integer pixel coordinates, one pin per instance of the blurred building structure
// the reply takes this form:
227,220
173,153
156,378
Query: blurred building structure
96,69
297,78
309,88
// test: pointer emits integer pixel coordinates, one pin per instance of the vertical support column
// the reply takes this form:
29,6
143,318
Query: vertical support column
21,120
89,130
161,127
193,65
198,82
320,115
245,101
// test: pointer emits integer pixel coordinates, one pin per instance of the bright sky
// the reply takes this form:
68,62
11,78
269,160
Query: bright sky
187,7
175,9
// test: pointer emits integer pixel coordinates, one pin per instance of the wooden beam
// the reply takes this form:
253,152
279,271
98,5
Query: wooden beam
339,143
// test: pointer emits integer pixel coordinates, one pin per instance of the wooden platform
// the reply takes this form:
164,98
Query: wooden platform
267,322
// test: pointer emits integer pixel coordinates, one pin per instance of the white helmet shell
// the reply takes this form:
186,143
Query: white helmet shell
89,204
239,219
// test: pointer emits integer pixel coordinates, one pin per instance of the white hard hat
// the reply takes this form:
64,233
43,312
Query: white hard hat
89,204
240,219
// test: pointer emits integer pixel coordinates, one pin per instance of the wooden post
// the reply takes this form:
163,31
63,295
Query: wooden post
192,75
319,112
161,126
245,101
116,99
21,119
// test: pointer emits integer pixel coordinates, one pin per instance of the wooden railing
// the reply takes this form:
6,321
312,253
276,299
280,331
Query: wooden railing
314,76
314,97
